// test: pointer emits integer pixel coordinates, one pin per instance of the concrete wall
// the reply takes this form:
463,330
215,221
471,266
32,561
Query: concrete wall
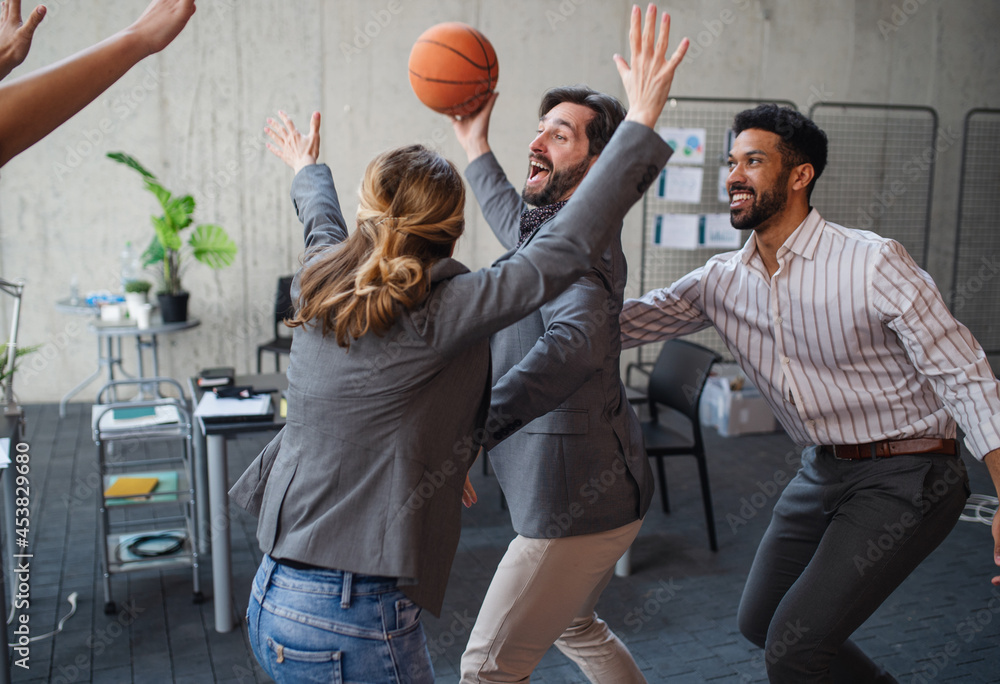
194,115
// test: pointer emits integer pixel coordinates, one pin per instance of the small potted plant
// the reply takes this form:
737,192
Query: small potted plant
208,243
136,294
6,374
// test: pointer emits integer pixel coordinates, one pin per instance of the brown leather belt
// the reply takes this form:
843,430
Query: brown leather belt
892,447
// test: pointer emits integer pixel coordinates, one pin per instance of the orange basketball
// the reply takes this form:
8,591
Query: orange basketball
453,68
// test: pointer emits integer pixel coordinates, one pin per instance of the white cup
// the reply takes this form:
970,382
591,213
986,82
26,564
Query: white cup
142,313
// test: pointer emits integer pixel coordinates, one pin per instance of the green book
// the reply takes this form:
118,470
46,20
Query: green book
137,412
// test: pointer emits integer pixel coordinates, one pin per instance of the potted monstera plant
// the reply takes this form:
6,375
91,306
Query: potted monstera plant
168,252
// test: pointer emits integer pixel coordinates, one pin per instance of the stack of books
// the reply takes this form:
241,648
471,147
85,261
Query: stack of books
216,377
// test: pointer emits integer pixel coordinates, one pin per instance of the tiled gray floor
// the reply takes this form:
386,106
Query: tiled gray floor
676,611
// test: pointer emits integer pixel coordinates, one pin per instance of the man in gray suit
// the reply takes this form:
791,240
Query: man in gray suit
565,445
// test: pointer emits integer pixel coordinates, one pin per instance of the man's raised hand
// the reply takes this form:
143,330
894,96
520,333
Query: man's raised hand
15,35
648,78
473,130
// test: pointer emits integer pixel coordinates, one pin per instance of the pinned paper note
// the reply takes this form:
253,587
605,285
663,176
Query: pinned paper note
723,177
718,231
679,231
688,144
693,231
681,184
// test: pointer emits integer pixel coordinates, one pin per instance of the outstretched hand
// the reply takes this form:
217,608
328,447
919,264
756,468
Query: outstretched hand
992,461
468,493
15,35
161,22
289,144
647,81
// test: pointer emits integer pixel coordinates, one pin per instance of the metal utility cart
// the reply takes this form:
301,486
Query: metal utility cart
146,501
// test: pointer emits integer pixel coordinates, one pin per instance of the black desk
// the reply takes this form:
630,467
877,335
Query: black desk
216,458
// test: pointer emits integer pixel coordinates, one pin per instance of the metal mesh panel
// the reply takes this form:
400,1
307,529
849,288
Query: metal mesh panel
661,266
975,288
880,170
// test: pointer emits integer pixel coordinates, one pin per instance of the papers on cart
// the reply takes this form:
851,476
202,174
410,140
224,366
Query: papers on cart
127,418
213,409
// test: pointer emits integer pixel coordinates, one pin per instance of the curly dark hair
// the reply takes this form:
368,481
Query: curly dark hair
608,112
802,141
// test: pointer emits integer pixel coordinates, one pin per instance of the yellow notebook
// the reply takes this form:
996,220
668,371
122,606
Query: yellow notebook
131,486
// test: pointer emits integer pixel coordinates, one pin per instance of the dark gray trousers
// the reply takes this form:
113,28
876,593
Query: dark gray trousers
843,536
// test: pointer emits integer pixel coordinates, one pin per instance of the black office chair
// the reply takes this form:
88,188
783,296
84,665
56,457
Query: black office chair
283,308
676,382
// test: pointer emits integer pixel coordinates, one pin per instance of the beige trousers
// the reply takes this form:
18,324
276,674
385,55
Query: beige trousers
544,592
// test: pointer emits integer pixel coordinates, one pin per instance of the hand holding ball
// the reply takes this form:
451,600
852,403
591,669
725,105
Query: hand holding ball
453,69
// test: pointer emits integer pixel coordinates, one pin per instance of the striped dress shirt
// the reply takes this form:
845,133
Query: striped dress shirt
849,342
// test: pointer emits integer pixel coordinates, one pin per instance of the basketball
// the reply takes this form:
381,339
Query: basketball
453,68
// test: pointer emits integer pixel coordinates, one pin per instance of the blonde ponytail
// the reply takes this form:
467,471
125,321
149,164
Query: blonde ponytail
410,215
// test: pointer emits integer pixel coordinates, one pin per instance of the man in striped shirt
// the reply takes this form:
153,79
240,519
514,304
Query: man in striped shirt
862,363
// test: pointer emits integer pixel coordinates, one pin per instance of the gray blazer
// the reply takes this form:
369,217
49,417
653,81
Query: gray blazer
367,475
572,459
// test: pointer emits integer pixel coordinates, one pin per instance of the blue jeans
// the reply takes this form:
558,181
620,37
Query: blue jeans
332,626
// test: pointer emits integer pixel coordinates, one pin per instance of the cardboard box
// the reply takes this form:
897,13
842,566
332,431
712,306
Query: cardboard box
734,411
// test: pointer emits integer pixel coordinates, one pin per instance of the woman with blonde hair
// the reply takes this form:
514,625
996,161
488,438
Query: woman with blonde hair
358,497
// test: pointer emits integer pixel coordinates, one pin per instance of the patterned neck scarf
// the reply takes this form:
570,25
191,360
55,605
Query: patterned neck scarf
532,218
